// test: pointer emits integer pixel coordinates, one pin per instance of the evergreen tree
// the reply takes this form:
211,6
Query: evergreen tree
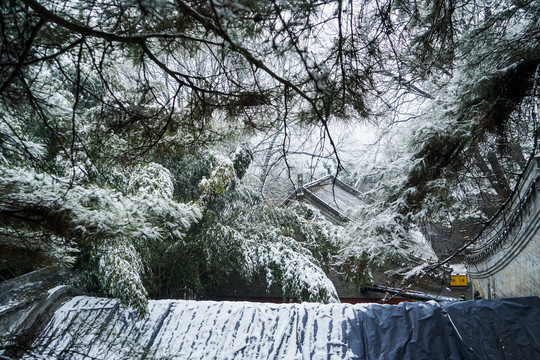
117,120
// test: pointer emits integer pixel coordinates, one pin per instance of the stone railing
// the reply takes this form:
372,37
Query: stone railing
505,227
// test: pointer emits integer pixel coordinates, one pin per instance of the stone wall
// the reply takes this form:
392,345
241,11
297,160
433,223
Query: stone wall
506,260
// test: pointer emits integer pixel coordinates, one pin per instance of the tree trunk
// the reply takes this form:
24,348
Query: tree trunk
488,173
517,155
498,172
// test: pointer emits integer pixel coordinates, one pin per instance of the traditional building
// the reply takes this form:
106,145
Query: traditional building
331,196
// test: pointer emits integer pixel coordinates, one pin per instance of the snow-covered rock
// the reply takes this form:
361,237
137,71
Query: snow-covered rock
25,298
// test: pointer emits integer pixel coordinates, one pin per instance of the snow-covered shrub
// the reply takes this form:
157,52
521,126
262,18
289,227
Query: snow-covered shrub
101,222
119,274
240,235
152,178
219,180
286,264
291,251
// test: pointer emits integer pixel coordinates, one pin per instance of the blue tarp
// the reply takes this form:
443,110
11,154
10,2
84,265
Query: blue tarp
481,329
86,327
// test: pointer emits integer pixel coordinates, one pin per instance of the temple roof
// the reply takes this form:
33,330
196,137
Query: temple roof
330,195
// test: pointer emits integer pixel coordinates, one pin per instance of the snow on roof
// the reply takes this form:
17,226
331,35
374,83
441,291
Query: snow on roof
332,196
87,327
336,194
458,269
